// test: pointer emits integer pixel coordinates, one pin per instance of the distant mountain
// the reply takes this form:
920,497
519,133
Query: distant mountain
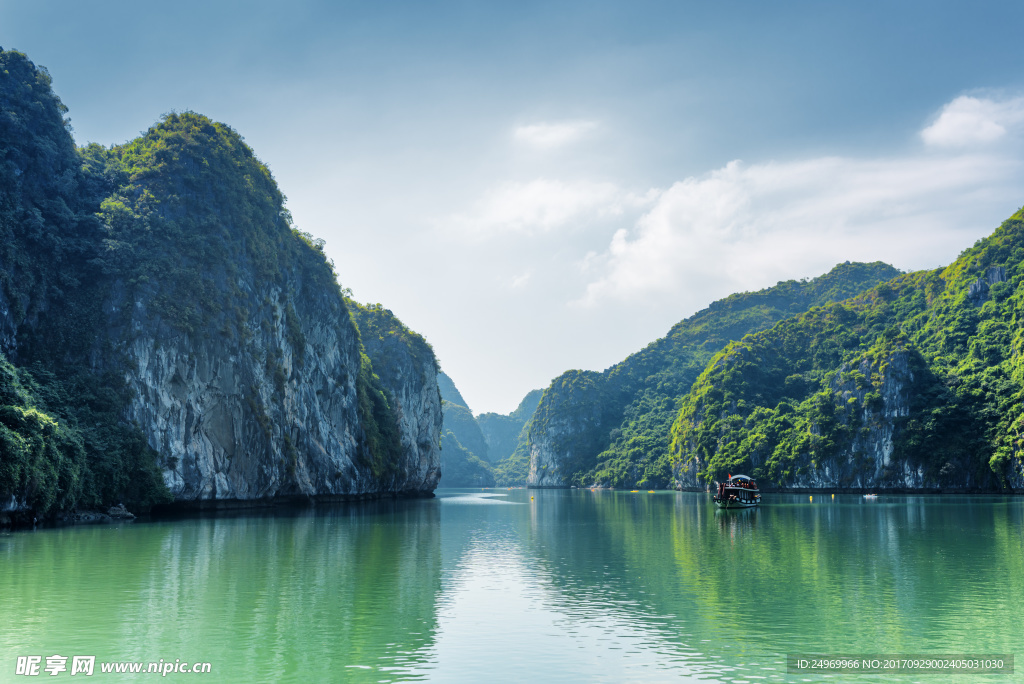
613,428
507,440
503,432
917,383
449,392
491,448
463,447
460,466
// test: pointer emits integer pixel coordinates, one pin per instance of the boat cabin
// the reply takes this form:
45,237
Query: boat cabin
739,491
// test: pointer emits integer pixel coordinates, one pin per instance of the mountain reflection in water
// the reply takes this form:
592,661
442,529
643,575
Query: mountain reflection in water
565,586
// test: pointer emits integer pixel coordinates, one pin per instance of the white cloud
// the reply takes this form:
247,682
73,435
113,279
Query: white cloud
743,226
521,279
546,136
543,205
971,121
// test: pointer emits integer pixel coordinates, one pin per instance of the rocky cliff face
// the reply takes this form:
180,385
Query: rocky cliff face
978,291
245,370
566,428
546,463
612,428
274,412
915,384
874,422
173,321
258,418
408,372
865,461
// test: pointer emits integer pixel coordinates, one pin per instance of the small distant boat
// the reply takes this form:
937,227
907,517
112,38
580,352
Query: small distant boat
870,496
739,491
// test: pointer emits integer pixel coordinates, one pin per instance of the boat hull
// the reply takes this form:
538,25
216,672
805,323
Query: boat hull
736,504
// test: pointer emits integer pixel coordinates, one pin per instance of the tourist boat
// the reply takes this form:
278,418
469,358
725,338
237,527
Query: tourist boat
739,491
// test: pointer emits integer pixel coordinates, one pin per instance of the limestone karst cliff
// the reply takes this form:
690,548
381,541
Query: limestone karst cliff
865,400
507,440
167,332
612,428
465,460
913,384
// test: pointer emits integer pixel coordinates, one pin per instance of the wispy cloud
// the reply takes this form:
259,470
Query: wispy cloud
522,279
970,121
543,205
550,135
744,225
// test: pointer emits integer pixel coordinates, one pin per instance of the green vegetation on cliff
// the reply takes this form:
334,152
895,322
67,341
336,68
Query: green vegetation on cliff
389,347
460,421
64,445
174,232
513,470
464,454
933,357
507,438
189,206
46,207
504,433
63,441
462,467
613,427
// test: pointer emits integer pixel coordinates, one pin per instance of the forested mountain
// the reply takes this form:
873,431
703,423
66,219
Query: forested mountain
464,461
503,432
507,440
449,392
167,333
458,418
916,383
613,428
487,449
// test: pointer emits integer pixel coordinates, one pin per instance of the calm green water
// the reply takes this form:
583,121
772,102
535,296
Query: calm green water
496,586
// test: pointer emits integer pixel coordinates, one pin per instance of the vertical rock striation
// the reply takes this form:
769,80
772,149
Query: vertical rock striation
172,324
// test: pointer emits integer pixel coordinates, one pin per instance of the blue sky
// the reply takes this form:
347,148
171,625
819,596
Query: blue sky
544,186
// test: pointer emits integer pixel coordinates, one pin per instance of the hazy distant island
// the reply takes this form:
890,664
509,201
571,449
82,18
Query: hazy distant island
487,450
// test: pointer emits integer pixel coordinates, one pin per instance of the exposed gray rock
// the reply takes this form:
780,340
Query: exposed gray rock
268,413
561,434
978,290
119,512
545,462
869,460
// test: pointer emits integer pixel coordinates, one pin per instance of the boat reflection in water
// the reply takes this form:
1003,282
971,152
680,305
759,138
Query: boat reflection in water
739,491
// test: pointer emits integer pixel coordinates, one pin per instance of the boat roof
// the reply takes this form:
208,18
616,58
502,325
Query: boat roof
741,477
